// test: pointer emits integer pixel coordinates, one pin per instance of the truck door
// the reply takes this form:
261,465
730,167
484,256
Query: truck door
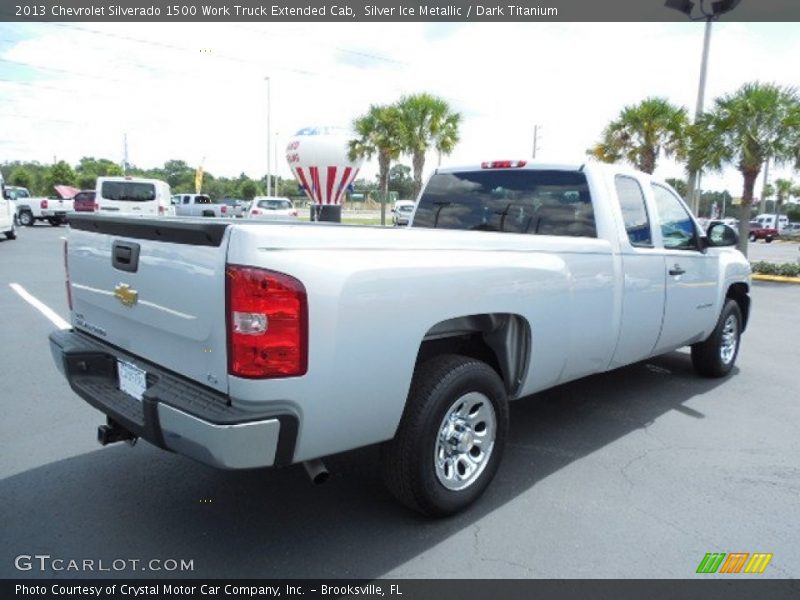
643,276
691,275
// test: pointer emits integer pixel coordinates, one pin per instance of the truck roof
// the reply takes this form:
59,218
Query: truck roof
512,164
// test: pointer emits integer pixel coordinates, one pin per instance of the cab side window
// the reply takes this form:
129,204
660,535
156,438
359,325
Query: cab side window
634,211
677,227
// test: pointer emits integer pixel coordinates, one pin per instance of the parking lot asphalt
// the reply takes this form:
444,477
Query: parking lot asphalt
635,473
778,251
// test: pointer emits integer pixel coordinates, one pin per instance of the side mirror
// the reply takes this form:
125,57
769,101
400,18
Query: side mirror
720,234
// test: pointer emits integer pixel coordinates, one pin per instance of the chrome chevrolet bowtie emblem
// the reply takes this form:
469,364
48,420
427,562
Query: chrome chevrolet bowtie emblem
125,294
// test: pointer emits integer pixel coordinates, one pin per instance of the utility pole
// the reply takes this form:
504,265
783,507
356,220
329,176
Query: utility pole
692,195
535,140
717,9
269,141
124,153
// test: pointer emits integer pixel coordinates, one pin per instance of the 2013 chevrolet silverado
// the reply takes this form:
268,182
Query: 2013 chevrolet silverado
252,344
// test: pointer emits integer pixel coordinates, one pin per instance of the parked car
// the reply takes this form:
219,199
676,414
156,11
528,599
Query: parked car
792,230
198,205
133,196
235,206
275,344
8,220
759,232
402,211
84,201
272,207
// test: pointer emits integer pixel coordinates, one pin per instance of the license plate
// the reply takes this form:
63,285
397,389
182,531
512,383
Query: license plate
132,379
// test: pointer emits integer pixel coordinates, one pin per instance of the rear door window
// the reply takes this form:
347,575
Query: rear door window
634,211
130,191
538,202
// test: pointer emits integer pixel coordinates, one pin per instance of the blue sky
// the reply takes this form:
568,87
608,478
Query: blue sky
191,91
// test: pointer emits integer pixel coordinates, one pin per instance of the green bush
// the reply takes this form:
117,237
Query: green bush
767,268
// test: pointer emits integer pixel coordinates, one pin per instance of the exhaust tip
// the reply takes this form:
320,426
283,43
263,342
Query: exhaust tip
317,471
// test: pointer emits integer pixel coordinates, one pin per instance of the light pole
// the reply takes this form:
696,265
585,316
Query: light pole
275,143
718,8
269,142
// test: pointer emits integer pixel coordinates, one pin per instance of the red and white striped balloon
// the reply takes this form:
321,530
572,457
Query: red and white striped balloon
318,158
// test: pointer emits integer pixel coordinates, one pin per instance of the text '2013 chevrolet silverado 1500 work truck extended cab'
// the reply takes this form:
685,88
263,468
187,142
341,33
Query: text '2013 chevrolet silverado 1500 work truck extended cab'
252,344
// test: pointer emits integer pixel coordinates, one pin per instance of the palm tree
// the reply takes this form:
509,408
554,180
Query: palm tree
760,120
428,122
642,132
379,132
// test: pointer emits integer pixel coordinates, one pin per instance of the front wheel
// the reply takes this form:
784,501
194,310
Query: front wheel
11,234
450,440
26,218
753,237
768,239
715,356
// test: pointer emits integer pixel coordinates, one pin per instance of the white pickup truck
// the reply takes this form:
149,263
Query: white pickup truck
199,205
250,344
55,209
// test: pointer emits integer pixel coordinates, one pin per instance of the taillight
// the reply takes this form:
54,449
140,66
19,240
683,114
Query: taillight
255,212
503,164
95,206
66,273
160,210
223,210
267,323
43,204
293,213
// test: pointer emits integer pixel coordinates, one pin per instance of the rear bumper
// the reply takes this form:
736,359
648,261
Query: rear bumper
175,413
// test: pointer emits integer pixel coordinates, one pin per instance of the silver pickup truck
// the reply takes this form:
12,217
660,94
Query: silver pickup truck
252,344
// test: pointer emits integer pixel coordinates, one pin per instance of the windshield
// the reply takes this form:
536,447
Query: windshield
128,190
405,209
544,202
275,204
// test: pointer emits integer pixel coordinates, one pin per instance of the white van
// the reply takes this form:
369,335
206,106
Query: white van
133,195
768,221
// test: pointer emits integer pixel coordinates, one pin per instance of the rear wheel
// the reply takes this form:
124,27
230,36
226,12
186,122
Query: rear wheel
715,356
451,438
768,239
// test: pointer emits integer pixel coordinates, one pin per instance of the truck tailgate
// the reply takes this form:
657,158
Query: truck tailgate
154,287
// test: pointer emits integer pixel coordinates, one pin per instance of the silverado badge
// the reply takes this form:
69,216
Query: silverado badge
125,294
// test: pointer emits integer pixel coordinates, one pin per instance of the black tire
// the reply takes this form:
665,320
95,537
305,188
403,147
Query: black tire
55,222
410,469
753,237
768,239
26,218
707,356
11,234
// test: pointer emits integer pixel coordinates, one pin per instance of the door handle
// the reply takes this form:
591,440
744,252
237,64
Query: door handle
676,270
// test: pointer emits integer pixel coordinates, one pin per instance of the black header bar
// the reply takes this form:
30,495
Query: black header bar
381,10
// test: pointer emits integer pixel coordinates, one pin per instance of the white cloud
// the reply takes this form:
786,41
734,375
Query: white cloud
191,91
